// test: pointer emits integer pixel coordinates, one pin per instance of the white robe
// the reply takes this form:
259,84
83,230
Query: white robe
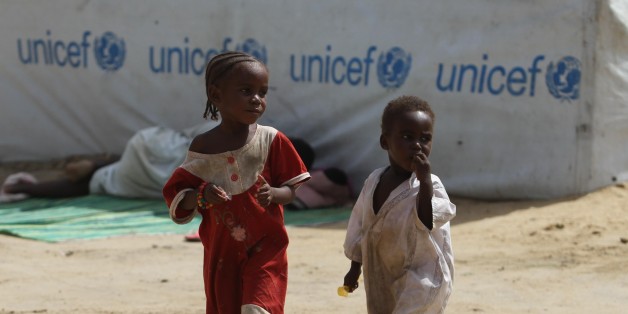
407,268
148,160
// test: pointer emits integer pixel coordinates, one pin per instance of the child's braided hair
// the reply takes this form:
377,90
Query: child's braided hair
216,69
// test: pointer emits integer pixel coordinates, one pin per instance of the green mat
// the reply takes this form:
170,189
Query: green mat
100,216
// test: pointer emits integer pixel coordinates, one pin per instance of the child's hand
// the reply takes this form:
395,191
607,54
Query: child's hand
421,167
215,194
351,279
264,193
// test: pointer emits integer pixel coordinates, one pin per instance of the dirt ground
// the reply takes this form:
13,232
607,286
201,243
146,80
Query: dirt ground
560,256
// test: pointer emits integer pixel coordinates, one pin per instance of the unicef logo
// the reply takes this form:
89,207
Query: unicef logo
109,51
393,67
563,78
252,47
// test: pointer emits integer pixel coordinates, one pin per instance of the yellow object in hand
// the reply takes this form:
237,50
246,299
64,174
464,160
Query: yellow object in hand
343,291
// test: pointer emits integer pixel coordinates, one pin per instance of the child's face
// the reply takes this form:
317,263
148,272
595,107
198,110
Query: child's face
241,96
410,134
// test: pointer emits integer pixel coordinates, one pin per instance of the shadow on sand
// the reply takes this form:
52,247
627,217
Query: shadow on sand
469,210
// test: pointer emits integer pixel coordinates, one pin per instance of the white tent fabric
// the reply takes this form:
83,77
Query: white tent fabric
531,97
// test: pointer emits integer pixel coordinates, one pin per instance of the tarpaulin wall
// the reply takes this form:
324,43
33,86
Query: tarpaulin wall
530,96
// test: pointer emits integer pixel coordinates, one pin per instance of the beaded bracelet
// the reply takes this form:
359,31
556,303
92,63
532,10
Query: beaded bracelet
200,198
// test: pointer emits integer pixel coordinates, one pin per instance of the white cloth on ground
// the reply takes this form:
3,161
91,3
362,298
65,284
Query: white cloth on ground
147,162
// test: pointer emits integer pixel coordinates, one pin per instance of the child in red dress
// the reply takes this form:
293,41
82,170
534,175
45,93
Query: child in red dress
237,176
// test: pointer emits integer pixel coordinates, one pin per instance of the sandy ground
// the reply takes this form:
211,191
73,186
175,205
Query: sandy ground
562,256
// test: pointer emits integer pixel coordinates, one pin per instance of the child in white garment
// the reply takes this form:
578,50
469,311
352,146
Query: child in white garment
399,233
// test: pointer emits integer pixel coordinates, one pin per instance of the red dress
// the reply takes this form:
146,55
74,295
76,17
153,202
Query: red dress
245,244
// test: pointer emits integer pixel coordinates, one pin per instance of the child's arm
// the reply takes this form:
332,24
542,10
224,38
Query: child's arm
180,193
351,278
424,203
267,194
186,205
212,193
421,167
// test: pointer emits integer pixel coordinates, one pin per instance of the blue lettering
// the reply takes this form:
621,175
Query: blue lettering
367,61
292,67
60,62
172,52
495,79
533,71
310,63
151,60
516,76
463,70
333,70
42,44
182,60
74,54
225,44
85,44
197,52
482,74
186,60
49,49
327,60
328,68
489,82
25,60
354,67
439,77
54,52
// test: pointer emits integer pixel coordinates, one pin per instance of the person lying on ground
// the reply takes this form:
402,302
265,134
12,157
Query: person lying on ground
141,171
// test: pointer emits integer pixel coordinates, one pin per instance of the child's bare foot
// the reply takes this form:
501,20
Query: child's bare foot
15,187
80,169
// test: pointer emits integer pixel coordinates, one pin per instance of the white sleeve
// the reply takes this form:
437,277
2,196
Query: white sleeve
443,210
353,239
